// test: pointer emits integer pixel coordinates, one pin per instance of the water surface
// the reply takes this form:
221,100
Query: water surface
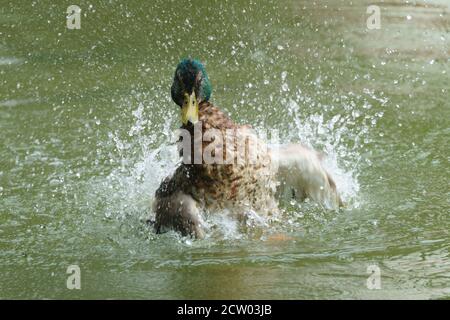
86,121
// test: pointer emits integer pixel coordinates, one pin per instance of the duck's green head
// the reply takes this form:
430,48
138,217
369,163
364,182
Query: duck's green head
190,87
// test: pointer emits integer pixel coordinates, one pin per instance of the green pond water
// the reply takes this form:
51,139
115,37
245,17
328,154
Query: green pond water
86,124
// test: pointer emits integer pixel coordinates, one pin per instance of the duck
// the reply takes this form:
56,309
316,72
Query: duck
226,166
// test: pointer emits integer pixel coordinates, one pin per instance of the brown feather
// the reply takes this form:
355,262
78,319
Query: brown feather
217,186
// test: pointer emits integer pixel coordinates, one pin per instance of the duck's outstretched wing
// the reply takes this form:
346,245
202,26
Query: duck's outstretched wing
301,175
176,209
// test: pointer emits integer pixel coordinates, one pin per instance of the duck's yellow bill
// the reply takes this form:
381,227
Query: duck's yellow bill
189,110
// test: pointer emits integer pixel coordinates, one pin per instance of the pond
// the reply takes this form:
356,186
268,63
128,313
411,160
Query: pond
86,124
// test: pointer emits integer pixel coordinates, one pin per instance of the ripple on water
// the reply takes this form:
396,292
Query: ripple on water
9,61
15,102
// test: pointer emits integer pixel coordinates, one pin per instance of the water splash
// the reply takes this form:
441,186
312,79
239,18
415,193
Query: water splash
145,153
140,159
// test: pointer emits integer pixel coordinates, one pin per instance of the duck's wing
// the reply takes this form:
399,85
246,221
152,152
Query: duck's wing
177,210
302,175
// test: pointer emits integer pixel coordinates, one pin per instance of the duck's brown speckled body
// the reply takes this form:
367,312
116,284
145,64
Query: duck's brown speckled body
246,181
237,187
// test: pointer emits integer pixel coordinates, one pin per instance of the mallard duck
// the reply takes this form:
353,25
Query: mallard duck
235,183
